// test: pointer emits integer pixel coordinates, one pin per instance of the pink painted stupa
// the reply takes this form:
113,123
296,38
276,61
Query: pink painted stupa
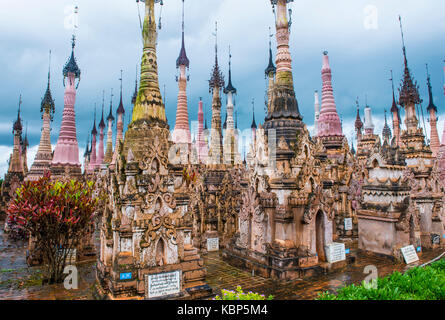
65,161
329,124
202,147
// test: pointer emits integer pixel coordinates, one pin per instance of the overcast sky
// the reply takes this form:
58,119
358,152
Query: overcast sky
362,37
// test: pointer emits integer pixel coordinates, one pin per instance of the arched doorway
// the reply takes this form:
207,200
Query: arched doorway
319,236
160,252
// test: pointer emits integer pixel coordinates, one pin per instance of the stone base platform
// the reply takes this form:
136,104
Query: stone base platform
109,286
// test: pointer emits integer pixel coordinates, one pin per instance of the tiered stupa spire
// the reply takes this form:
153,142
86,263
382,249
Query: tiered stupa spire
230,140
149,108
42,160
100,155
395,111
110,120
66,152
93,156
369,125
253,126
329,123
15,162
358,123
181,133
386,132
216,83
409,92
283,114
86,155
202,147
149,105
270,72
120,112
432,110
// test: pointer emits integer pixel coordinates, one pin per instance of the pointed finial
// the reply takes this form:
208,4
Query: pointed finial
120,79
49,68
20,104
73,41
253,126
403,40
183,19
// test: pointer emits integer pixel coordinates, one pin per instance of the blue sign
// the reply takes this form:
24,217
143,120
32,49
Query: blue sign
444,236
346,251
125,276
419,249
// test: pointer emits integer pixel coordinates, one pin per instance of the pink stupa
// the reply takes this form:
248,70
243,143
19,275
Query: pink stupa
66,153
329,123
201,143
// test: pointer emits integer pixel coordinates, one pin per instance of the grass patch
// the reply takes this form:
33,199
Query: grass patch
427,283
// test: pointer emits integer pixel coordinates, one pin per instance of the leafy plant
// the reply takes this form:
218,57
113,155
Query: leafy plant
238,294
57,215
427,283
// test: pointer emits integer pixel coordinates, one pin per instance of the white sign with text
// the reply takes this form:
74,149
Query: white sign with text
409,254
335,252
162,284
213,244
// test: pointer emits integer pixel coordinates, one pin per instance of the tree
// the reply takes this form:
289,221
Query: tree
57,215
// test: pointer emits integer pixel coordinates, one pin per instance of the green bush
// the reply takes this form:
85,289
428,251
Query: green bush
426,283
240,295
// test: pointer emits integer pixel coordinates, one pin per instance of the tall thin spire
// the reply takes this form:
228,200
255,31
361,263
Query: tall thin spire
271,69
217,79
386,132
182,59
120,109
396,120
358,120
47,101
230,88
430,91
149,104
432,110
409,91
253,125
66,153
181,133
216,83
329,123
102,122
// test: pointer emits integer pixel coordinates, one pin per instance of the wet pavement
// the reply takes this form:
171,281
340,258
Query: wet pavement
18,281
223,276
